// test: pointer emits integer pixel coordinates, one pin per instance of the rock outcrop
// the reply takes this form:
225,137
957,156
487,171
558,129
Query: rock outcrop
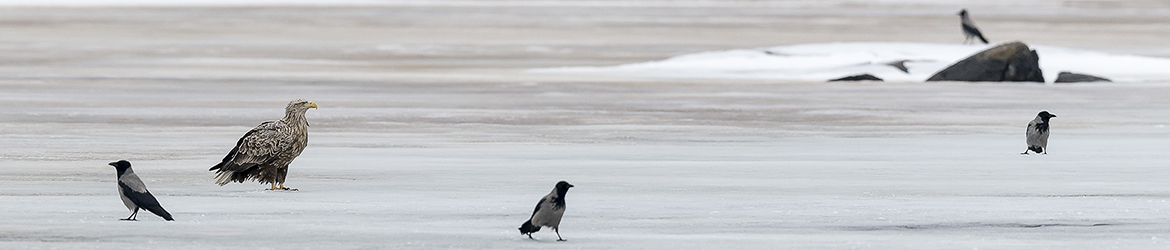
1070,77
862,77
1010,62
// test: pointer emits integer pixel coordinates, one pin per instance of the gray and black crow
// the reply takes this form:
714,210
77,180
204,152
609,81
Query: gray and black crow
548,212
1038,133
134,194
969,29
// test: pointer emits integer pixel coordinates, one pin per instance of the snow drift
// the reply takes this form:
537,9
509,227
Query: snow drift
821,62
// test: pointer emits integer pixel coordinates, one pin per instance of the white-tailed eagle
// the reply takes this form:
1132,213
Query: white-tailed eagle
263,154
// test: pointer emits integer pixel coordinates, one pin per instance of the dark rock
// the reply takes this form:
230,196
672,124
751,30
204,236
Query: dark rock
1011,62
900,65
1068,77
864,77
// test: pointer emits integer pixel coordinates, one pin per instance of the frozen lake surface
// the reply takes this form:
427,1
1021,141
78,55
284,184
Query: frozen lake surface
433,134
910,166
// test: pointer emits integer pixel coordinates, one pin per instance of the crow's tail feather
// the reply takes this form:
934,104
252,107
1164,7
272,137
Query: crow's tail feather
158,210
528,228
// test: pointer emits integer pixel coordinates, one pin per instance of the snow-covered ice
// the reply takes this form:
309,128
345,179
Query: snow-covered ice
821,62
656,166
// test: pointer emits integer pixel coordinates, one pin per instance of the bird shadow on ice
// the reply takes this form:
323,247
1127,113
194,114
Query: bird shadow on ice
263,191
536,238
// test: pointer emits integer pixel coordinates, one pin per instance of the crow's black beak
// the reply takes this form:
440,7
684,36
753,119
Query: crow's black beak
1051,115
571,185
113,164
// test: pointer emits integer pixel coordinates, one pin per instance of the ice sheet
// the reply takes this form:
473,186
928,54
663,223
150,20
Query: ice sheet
657,166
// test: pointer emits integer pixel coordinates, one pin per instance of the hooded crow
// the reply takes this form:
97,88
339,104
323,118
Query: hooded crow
134,194
969,29
548,212
1038,133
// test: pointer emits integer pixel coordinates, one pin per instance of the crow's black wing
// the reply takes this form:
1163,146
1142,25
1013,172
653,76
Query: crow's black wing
974,31
537,207
145,200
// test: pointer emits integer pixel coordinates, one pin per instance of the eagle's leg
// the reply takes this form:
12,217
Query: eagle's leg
558,230
282,187
132,215
281,173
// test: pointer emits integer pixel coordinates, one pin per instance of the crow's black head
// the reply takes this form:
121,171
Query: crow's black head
121,166
1045,115
563,185
562,188
963,12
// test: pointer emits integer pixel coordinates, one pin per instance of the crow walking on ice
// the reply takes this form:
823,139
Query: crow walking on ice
1038,133
969,29
134,194
548,212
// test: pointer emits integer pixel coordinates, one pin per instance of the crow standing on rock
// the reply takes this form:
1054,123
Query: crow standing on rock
1038,133
969,29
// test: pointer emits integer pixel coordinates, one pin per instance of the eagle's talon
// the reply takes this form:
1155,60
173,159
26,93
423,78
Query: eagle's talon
282,187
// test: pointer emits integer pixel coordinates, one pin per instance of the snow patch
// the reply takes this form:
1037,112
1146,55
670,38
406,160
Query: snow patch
820,62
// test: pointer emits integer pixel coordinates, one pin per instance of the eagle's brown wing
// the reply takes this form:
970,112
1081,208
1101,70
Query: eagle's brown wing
255,153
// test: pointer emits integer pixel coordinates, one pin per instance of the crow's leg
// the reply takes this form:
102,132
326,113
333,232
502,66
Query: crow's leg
558,234
132,215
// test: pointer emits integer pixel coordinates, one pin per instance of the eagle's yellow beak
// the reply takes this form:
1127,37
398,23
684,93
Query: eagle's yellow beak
311,105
